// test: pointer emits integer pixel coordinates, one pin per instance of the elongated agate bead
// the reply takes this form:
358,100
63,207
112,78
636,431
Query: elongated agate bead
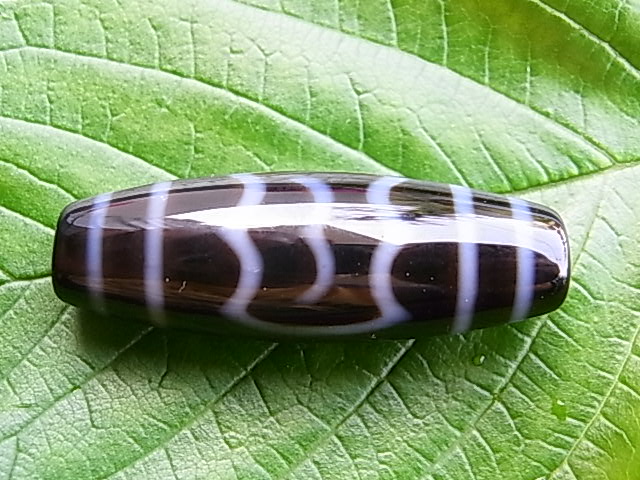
312,255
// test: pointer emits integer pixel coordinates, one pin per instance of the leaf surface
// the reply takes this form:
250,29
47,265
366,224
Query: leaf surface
537,97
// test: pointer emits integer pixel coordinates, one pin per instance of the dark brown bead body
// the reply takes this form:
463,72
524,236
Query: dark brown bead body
308,255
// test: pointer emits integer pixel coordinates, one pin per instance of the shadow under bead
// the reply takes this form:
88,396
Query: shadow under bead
312,255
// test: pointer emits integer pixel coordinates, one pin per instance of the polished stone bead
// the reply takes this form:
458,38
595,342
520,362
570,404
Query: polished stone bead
312,255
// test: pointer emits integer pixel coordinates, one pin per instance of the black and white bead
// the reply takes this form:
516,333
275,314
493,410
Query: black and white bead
312,255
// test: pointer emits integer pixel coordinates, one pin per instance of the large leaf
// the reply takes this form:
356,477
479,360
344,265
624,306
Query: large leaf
536,96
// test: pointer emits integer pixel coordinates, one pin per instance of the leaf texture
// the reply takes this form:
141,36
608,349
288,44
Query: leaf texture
537,97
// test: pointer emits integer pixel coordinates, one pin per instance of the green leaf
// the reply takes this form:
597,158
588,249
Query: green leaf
539,97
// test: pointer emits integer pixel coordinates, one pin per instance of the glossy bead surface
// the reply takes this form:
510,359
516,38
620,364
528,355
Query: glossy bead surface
312,255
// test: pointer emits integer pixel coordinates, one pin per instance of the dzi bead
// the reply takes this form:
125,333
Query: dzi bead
312,255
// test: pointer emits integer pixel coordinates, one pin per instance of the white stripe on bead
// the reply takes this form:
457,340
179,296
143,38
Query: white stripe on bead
153,275
468,260
95,234
251,264
380,278
525,266
314,236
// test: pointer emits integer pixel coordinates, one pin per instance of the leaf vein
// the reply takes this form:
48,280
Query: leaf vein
28,219
444,456
331,433
271,110
566,126
598,412
38,179
615,54
55,401
82,135
198,413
